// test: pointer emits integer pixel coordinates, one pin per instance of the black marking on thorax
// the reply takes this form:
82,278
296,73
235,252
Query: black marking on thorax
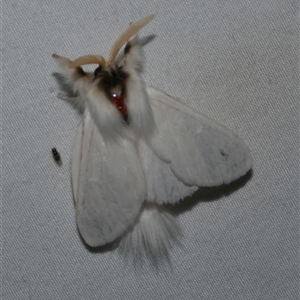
111,79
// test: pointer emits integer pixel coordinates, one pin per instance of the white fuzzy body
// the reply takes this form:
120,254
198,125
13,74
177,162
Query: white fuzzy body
123,173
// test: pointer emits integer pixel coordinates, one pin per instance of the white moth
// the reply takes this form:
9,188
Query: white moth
137,149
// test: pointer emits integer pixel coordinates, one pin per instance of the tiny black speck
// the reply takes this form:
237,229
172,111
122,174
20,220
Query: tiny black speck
56,155
223,153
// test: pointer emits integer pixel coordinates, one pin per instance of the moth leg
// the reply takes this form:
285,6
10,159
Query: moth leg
63,96
133,58
76,101
75,77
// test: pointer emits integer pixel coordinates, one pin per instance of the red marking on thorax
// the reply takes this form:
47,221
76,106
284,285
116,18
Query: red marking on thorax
120,104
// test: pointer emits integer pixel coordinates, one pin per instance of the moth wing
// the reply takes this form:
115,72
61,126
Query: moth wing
199,151
162,186
108,184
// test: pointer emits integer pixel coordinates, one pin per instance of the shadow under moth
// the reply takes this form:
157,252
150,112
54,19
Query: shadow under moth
137,149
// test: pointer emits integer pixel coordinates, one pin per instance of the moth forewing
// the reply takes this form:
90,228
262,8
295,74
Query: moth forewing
196,144
101,173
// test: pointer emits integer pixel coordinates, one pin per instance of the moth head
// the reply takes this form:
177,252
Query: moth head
109,76
111,79
114,92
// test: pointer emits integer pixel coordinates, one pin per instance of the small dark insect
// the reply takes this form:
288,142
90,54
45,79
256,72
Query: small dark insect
56,156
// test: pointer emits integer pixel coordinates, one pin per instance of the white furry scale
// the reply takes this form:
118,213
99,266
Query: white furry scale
153,232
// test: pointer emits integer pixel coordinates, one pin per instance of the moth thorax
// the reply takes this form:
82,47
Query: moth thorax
112,80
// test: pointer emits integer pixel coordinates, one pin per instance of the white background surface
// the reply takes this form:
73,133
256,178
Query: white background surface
235,61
